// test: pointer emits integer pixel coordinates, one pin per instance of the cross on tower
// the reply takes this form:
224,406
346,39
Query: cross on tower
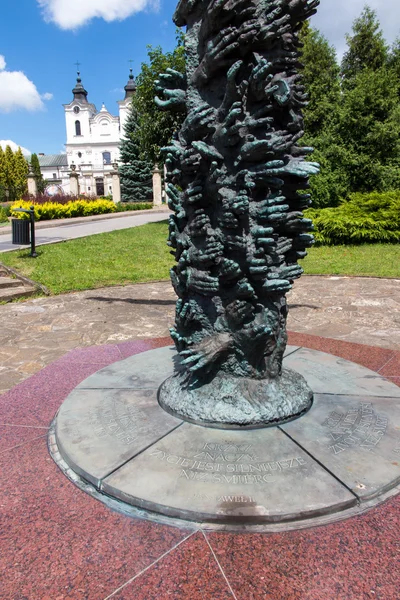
78,64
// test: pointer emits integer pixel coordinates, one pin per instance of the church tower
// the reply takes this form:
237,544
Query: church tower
77,119
125,104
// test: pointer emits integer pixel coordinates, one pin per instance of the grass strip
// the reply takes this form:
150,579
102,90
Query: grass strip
140,254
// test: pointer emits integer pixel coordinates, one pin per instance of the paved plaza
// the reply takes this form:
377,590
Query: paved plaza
59,542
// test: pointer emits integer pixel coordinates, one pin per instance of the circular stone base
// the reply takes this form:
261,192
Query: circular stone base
339,459
237,403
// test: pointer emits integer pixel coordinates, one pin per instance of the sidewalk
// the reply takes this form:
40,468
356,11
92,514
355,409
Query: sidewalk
36,332
50,232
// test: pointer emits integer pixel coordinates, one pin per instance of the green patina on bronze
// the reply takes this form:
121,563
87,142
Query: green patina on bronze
237,182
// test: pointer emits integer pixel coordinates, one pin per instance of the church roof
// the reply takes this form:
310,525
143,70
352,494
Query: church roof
130,87
53,160
79,91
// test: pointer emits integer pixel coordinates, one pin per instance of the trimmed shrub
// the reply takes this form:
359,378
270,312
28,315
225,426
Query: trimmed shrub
363,219
54,210
123,206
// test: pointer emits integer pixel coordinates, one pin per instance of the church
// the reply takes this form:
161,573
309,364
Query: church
92,146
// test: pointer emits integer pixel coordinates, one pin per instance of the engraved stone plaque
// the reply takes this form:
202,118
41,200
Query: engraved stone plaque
356,437
98,430
218,475
327,374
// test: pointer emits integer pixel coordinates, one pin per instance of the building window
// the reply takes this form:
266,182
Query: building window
78,128
54,175
79,154
106,158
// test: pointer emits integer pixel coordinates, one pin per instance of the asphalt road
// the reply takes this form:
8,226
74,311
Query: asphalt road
73,231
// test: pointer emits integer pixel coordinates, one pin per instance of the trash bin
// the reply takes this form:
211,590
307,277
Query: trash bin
20,229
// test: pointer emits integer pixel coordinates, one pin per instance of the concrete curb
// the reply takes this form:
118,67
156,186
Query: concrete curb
80,220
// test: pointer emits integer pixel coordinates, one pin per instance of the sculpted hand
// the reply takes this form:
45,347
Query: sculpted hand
202,283
229,269
200,223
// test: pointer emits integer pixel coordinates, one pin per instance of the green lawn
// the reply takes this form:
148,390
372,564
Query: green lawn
141,254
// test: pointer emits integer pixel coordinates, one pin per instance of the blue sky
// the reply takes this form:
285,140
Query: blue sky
40,40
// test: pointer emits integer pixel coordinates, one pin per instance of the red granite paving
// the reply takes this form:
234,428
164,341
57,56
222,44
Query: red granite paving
58,543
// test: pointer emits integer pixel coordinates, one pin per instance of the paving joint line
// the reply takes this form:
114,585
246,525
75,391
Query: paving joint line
100,487
386,363
151,565
219,565
23,444
28,426
321,465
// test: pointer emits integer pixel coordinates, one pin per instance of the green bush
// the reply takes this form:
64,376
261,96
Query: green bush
363,219
3,215
123,206
53,210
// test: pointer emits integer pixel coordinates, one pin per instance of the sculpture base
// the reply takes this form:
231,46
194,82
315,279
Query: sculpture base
230,402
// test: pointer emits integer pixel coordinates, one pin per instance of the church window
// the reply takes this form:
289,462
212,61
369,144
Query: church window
54,175
79,154
78,128
106,158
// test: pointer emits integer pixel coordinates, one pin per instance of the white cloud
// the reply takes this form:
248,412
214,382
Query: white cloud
71,14
47,96
17,91
335,18
14,147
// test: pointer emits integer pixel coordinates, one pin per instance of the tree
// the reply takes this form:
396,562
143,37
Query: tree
367,48
21,169
156,127
2,176
321,78
136,173
41,185
369,128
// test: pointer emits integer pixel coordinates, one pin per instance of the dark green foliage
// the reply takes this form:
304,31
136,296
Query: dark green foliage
321,77
353,118
155,126
124,206
136,173
365,218
367,49
41,185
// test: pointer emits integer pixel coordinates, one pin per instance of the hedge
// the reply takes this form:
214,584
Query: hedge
53,210
363,219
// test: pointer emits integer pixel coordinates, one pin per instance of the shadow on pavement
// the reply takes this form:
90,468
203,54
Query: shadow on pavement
134,300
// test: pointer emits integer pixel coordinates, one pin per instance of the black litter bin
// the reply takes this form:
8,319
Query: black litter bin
20,232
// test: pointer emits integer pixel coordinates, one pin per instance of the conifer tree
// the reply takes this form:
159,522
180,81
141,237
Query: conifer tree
9,170
321,78
2,176
41,185
136,173
367,48
21,169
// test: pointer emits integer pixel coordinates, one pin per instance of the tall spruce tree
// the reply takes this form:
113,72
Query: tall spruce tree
136,172
21,169
321,78
2,176
369,123
9,170
367,49
41,185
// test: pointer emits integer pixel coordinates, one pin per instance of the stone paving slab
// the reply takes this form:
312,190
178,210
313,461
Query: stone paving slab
36,332
103,428
120,439
327,374
356,437
204,474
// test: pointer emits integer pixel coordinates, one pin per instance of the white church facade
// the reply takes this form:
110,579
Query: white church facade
92,144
